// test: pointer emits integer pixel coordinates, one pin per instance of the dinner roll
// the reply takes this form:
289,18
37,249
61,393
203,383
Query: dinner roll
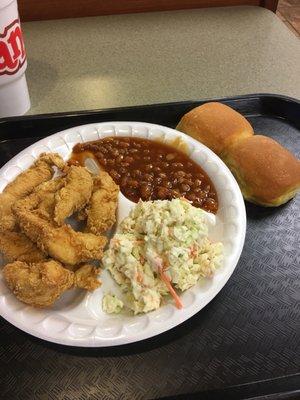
268,174
215,125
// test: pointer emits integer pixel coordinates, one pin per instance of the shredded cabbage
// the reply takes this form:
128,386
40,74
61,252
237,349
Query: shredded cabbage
111,304
161,234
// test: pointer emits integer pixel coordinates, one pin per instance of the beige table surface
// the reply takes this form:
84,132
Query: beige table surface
111,61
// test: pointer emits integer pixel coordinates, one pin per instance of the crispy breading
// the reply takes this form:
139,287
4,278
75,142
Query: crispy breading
74,194
16,246
61,243
46,192
23,184
86,277
38,284
101,210
33,208
41,284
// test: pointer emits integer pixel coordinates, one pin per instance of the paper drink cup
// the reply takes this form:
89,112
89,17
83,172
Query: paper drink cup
14,97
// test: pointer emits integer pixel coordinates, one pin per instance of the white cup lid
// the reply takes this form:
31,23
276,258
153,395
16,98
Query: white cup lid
14,98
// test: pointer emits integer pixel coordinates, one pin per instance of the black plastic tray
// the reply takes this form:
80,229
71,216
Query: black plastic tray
244,344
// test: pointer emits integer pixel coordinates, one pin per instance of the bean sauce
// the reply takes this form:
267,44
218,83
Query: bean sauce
149,170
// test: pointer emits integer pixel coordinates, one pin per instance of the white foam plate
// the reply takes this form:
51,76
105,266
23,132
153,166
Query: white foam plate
77,318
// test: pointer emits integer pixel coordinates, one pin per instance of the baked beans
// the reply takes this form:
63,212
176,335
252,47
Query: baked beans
150,170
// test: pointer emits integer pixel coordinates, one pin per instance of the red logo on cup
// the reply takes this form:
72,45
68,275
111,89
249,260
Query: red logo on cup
12,50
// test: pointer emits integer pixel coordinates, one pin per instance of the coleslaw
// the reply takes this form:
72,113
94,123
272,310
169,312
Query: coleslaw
161,247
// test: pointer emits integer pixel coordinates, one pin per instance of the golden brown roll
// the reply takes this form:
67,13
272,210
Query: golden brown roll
268,174
215,125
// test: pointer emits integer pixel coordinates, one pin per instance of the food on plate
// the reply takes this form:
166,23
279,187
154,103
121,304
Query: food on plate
46,193
44,252
160,247
62,242
38,284
41,171
215,125
150,170
268,174
74,194
85,277
101,210
16,246
111,304
41,284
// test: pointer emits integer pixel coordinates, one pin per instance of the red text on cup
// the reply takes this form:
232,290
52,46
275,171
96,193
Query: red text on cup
12,50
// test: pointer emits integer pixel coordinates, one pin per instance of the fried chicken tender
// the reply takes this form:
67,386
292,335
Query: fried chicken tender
24,183
46,193
32,212
41,284
74,194
86,277
16,246
101,210
61,243
38,284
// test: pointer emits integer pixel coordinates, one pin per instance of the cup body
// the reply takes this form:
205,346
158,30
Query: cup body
14,97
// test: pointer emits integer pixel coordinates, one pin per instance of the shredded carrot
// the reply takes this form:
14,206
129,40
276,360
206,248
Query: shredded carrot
167,281
193,251
139,277
142,260
115,242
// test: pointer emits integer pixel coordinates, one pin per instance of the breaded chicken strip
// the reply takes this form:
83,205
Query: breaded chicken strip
74,194
16,246
61,243
24,183
46,193
86,277
101,210
40,284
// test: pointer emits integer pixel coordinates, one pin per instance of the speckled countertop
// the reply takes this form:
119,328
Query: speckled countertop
111,61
